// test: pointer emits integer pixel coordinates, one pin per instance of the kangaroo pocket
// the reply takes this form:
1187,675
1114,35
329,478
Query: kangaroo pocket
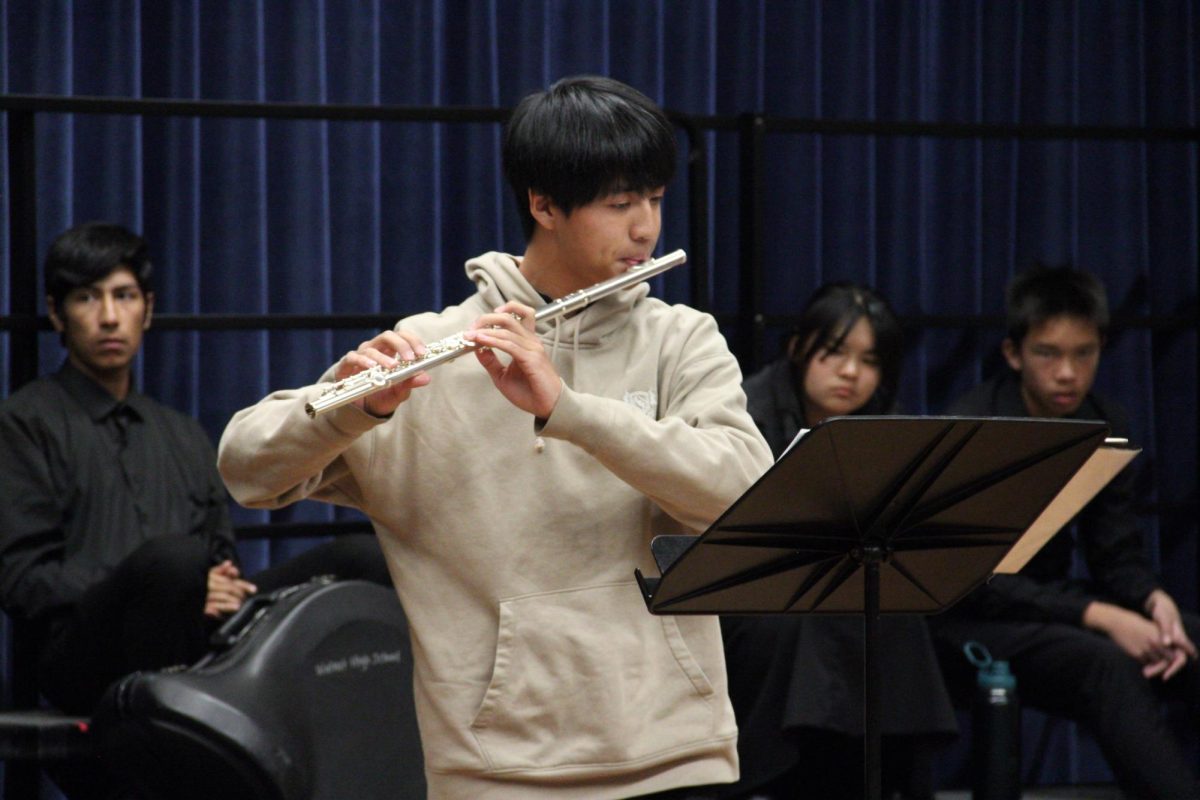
588,677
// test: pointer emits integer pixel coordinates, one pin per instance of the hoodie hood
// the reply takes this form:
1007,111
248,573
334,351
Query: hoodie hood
498,278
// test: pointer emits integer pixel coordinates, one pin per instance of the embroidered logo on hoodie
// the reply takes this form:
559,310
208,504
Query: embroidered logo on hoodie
645,402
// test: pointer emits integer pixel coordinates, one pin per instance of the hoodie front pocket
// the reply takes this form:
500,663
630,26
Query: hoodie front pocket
586,677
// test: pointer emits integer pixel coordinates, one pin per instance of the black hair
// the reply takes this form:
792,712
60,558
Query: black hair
1044,292
583,138
90,252
831,312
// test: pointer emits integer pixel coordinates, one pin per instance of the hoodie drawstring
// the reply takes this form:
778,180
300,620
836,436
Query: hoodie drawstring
539,444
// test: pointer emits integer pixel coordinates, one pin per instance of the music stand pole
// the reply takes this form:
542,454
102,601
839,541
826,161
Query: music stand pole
872,673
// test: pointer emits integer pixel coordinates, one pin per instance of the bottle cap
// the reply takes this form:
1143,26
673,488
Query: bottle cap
997,675
992,674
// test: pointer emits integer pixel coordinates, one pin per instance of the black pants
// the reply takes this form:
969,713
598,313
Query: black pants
149,613
1076,673
832,768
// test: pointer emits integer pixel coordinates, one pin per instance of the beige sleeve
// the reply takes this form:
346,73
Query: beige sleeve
700,455
273,454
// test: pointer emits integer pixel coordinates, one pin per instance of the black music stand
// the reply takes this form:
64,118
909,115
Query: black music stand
865,515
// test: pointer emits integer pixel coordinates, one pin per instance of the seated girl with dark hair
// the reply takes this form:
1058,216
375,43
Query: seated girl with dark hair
796,680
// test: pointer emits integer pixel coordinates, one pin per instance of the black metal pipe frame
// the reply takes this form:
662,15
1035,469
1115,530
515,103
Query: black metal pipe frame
750,328
22,243
21,111
301,530
21,778
163,107
698,242
750,322
753,130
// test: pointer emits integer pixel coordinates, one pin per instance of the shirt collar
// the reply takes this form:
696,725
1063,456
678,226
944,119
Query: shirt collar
94,398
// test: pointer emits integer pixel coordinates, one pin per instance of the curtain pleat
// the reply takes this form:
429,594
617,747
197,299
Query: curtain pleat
5,194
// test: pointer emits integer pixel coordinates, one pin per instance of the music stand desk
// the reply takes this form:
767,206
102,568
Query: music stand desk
869,515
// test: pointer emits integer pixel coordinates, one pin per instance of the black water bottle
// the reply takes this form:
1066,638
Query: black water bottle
995,729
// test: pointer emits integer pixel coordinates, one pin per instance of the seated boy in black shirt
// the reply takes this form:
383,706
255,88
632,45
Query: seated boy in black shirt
1103,651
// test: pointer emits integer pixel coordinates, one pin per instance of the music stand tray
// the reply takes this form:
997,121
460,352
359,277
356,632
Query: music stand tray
869,515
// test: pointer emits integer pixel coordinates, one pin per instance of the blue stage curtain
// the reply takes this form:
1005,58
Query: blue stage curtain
249,216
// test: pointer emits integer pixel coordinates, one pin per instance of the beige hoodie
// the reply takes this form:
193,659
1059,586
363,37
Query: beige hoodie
538,670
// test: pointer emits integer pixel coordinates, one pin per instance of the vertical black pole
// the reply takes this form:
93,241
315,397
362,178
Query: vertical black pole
22,247
751,130
21,777
698,239
872,674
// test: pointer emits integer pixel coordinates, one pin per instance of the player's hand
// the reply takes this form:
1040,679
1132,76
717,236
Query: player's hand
529,380
385,350
1136,636
226,590
1165,614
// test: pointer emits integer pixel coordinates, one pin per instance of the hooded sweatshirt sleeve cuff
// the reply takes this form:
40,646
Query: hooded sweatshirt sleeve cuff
569,420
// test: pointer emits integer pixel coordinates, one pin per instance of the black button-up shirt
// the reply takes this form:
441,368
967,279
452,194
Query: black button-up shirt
1106,530
86,479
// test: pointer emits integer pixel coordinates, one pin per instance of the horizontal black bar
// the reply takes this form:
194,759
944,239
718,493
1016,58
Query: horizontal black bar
978,130
909,322
1154,322
321,322
950,130
385,113
233,322
1164,322
228,322
303,530
247,110
343,527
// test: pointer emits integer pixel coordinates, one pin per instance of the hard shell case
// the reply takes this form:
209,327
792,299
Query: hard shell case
306,695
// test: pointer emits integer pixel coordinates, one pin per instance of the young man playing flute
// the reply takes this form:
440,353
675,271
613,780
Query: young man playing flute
515,490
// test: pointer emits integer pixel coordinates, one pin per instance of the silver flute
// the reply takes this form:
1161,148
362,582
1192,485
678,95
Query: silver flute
378,378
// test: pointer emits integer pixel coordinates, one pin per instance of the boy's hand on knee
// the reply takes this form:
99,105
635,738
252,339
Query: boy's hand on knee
226,590
1165,614
1163,610
1166,668
1133,633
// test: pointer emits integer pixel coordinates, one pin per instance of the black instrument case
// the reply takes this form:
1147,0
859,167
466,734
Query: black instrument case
306,695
